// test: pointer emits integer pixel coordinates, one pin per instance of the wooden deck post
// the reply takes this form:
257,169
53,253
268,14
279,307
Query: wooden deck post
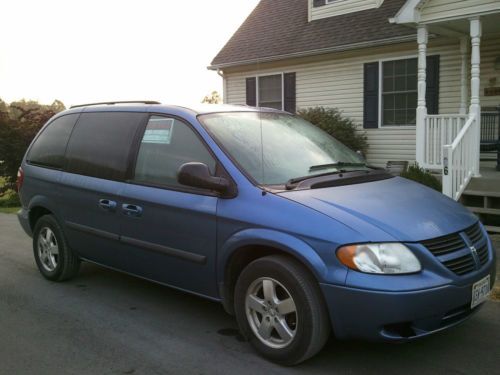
422,39
464,49
475,105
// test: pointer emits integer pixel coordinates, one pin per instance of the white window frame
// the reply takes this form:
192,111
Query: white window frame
257,94
381,91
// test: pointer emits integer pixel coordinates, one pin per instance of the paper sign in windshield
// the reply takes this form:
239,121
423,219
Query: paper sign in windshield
159,131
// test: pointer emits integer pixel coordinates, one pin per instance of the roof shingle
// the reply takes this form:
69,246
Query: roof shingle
280,28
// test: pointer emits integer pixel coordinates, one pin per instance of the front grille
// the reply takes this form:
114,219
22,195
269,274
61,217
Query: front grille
483,254
474,233
444,245
461,265
454,243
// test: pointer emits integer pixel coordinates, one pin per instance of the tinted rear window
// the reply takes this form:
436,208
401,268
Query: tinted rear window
100,144
48,149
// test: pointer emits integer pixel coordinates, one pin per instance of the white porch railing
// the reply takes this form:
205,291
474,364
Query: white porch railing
459,160
439,130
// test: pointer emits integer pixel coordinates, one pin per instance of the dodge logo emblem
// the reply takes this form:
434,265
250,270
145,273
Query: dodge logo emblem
473,250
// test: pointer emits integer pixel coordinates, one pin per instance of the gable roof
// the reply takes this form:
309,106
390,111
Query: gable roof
278,29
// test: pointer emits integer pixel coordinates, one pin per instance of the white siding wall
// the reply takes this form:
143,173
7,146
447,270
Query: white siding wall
342,7
338,82
490,51
434,10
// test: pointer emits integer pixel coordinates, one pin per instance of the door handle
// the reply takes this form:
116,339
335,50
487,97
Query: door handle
107,205
131,210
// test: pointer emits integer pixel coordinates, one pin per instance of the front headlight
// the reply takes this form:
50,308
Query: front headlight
382,258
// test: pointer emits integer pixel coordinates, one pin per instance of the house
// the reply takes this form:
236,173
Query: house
413,74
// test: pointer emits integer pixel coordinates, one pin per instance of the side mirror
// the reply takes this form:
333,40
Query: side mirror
360,153
198,175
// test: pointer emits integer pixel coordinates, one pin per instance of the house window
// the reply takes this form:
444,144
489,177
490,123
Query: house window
276,91
399,92
270,90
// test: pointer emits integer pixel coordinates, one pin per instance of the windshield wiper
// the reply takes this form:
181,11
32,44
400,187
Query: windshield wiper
339,164
290,184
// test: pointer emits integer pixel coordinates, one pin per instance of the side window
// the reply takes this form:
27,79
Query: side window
168,143
50,146
101,142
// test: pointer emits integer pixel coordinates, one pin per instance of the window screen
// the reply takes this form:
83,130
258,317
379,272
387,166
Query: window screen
271,91
167,144
399,93
50,146
100,144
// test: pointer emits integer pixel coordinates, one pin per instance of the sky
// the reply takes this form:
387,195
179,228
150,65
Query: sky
81,51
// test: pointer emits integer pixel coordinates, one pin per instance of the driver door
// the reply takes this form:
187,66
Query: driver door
169,230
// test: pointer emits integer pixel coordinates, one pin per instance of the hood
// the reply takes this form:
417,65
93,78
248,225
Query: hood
405,210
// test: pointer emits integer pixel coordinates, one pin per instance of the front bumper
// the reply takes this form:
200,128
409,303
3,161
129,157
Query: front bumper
406,307
399,316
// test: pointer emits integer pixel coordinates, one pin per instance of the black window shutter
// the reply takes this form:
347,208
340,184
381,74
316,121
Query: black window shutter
290,104
371,82
252,91
432,91
318,3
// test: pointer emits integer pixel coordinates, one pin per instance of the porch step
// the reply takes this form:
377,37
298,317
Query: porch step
481,210
483,193
489,156
491,229
485,204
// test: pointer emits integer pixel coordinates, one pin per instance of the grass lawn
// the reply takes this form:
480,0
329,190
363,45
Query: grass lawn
9,210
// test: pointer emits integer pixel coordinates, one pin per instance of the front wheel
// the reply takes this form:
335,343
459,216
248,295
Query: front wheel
279,308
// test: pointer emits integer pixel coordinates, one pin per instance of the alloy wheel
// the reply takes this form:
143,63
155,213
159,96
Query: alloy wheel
48,250
271,312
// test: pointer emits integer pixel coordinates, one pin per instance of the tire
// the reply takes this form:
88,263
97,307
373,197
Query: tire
295,336
56,261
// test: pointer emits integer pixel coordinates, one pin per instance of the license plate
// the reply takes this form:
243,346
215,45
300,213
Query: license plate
480,291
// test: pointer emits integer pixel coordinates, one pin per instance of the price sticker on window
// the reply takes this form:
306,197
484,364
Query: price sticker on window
159,131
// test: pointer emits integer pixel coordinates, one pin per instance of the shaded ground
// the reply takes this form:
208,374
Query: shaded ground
105,322
495,293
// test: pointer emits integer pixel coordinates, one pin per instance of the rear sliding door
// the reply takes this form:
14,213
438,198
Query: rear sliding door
98,156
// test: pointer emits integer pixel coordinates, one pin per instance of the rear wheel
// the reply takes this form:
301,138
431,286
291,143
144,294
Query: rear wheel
54,258
280,310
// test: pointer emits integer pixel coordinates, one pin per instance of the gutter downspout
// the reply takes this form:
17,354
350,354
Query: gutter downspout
224,90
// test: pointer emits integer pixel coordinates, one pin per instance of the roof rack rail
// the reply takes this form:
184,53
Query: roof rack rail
119,102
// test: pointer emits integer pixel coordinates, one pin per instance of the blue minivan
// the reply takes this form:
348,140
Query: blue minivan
260,210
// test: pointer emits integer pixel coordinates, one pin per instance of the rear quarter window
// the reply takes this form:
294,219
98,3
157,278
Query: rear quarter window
49,147
100,144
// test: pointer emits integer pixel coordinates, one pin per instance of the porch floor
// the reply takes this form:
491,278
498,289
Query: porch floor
489,180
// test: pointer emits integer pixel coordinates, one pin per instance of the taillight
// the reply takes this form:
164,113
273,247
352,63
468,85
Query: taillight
20,179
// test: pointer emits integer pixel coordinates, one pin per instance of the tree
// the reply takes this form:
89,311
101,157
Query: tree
19,123
213,98
342,128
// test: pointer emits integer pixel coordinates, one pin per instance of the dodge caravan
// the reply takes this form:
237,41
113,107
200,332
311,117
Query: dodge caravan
260,210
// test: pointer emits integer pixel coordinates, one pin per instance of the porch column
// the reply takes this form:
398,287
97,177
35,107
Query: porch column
475,105
422,39
464,49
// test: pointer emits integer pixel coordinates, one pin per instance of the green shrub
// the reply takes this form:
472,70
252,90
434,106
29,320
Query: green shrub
8,196
415,173
339,127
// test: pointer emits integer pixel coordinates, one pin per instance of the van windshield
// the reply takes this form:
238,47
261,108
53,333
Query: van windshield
274,148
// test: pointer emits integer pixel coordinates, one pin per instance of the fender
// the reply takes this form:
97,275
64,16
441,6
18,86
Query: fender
43,201
279,240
